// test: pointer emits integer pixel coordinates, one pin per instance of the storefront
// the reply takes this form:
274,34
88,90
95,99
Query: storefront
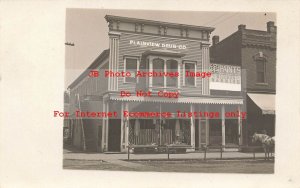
261,113
254,51
184,110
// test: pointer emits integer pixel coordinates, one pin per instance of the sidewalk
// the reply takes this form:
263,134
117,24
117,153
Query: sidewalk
232,162
164,156
189,162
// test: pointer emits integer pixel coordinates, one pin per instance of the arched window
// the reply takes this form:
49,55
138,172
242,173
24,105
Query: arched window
261,71
158,66
260,60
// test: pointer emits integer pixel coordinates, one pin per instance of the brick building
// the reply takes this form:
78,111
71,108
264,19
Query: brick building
255,52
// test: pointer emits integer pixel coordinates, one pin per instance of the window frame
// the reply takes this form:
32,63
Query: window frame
264,62
165,78
184,77
125,69
166,70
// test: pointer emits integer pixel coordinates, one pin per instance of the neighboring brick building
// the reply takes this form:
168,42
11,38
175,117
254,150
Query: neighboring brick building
255,52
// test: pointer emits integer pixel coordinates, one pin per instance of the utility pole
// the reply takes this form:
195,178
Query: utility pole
69,44
78,98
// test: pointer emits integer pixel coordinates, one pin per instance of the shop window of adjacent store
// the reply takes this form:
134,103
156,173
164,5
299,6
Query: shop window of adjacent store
158,66
131,65
260,71
172,66
189,80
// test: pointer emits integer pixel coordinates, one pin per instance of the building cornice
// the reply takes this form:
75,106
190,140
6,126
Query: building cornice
110,18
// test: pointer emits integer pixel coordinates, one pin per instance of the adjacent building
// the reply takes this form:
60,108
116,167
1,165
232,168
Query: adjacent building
255,52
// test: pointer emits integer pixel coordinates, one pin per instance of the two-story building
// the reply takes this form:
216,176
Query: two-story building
188,108
255,52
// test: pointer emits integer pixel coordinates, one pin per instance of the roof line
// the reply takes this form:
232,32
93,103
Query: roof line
95,64
136,20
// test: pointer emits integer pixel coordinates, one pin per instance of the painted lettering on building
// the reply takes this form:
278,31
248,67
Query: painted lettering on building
157,44
225,77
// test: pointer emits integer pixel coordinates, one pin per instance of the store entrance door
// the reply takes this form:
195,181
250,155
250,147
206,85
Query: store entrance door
114,135
232,132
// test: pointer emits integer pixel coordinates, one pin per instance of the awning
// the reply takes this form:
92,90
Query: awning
266,102
187,100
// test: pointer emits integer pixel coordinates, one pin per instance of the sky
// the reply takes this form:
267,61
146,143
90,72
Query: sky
88,30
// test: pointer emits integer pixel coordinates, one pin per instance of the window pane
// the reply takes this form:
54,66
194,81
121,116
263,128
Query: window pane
260,77
260,71
131,66
172,66
189,81
260,66
158,66
204,35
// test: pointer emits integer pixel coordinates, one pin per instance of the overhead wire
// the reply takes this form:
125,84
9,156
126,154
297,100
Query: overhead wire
225,19
213,20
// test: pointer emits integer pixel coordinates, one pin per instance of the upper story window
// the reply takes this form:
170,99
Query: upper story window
260,60
204,35
261,71
131,65
172,66
165,66
158,66
191,67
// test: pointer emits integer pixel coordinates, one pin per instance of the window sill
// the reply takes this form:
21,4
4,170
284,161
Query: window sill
191,86
129,83
161,87
262,84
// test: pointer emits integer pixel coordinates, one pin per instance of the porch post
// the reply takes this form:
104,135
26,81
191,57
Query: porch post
150,70
206,127
192,127
107,126
178,79
127,126
199,131
223,125
124,122
160,124
240,127
104,128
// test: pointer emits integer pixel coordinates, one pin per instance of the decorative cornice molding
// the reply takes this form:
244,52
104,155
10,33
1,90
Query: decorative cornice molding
113,33
110,18
255,45
161,35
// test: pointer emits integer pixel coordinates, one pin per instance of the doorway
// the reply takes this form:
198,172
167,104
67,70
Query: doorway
114,135
232,132
215,131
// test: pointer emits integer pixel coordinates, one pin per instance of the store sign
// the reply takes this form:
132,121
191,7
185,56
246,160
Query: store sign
225,77
157,44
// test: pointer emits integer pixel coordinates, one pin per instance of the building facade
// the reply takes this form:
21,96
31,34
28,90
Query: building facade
138,46
255,52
